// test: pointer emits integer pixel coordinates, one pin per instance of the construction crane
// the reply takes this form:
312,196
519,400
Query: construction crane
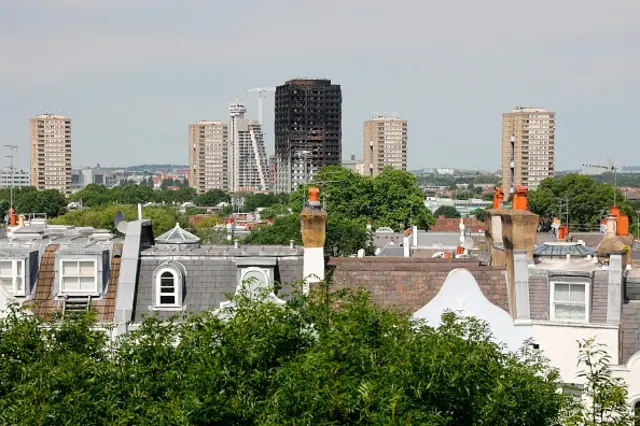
612,167
260,91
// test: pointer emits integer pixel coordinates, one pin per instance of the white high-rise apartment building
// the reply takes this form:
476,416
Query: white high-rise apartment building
247,155
50,152
208,146
528,147
16,178
385,144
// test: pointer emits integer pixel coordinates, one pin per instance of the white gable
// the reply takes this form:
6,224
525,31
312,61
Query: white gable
461,293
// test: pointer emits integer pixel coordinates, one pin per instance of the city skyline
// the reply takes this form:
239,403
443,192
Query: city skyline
443,62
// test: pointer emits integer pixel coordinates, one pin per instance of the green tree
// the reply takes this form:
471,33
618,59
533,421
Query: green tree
606,396
4,208
93,195
163,218
284,229
447,211
267,364
184,194
479,214
49,201
212,197
391,199
587,199
254,201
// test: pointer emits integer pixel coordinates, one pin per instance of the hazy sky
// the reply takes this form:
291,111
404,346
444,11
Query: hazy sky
133,74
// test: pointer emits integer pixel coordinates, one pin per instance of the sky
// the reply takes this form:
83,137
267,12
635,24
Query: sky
133,74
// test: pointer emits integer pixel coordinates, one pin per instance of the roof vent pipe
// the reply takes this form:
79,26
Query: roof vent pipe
235,243
290,244
139,211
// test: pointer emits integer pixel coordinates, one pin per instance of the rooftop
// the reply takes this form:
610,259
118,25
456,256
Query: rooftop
563,249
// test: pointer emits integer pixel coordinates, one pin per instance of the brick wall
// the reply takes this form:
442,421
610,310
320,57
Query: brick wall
600,297
444,224
539,295
630,330
410,283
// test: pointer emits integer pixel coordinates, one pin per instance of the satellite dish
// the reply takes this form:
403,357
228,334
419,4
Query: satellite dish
120,223
468,243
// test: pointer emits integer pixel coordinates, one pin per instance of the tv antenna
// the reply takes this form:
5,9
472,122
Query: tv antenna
612,167
13,149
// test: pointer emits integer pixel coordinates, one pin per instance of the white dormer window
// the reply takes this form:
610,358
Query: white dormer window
253,281
13,277
168,289
79,277
569,301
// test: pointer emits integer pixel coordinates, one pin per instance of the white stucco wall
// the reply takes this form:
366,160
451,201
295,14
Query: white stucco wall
559,342
630,373
461,293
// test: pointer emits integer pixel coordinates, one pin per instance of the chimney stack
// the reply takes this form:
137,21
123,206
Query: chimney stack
313,222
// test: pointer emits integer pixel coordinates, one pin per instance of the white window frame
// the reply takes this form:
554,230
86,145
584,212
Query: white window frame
587,301
177,292
14,276
262,271
93,292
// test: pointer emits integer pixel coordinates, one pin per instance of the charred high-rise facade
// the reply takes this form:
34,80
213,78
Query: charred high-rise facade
308,130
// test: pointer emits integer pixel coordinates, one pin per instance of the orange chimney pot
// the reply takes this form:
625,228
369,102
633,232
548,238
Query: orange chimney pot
563,231
615,211
498,197
520,198
313,193
622,228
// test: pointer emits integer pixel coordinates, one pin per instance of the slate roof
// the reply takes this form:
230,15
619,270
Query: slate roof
211,274
562,249
591,239
44,304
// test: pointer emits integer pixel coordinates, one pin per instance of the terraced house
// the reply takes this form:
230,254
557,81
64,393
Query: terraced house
553,291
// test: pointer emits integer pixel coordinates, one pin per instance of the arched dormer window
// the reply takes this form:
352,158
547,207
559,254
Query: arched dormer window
253,282
168,288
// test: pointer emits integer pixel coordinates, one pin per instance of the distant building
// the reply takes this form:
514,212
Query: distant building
445,171
247,157
528,147
273,170
308,130
208,156
88,175
50,152
385,144
354,165
17,179
464,207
